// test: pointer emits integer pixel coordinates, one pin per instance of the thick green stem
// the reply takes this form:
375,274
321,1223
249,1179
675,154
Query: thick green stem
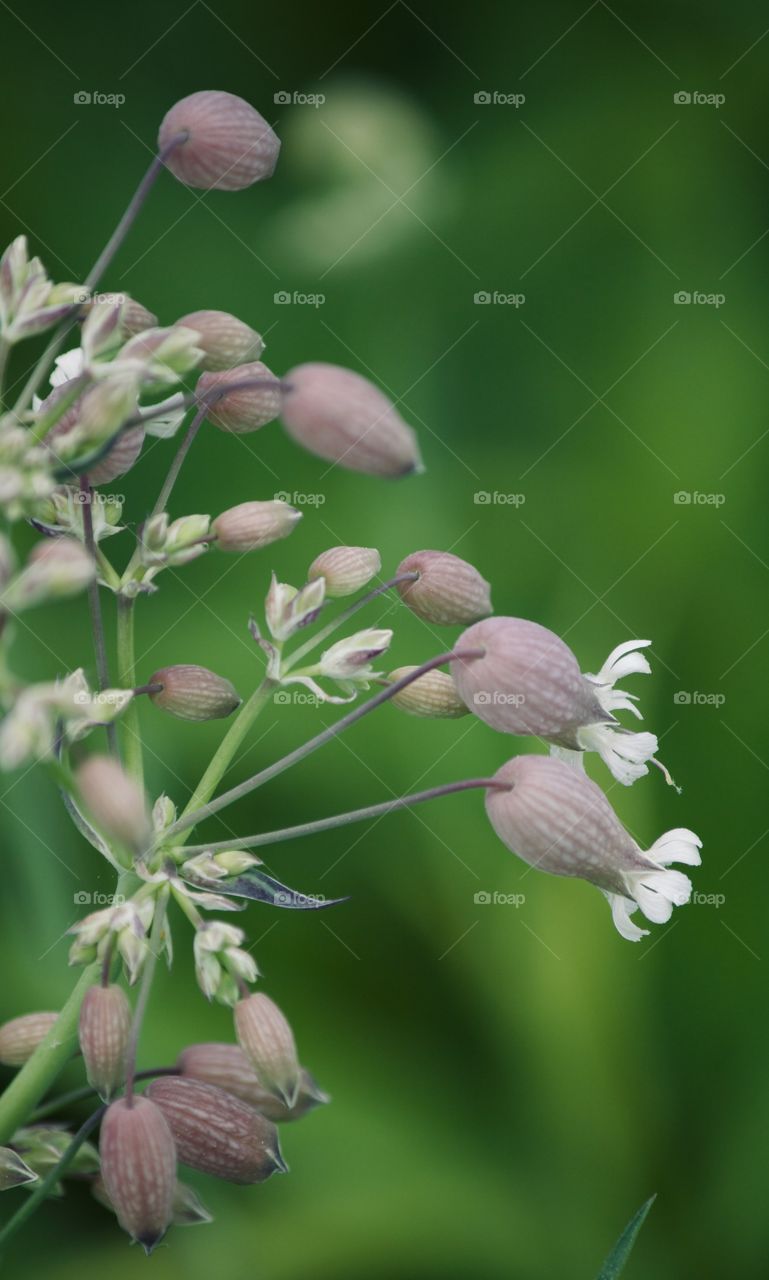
126,663
36,1076
225,752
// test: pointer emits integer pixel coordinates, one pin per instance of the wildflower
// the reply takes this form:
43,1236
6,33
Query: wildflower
288,610
138,1165
227,144
345,419
529,682
446,591
193,693
114,800
227,1067
433,695
55,568
555,818
221,965
21,1036
246,408
252,525
216,1133
124,925
345,569
104,1030
266,1038
224,340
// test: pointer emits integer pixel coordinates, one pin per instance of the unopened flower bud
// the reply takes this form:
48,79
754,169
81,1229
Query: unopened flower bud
228,144
224,340
266,1038
173,543
102,333
188,1209
344,418
162,356
134,318
119,458
529,682
244,410
42,1148
447,590
288,610
345,569
114,800
217,1133
252,525
14,1172
138,1165
21,1036
194,693
556,818
433,695
55,568
227,1067
104,1030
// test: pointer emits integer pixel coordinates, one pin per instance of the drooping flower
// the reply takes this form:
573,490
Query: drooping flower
558,820
529,682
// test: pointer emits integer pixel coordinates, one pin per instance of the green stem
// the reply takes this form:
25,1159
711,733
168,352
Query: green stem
38,1073
154,940
191,817
37,1197
343,617
344,819
36,1076
126,662
228,746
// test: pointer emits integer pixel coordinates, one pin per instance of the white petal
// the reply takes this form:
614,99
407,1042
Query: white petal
657,892
678,845
621,911
624,753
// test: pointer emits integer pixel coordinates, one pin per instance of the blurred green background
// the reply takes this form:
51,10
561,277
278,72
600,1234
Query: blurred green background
509,1084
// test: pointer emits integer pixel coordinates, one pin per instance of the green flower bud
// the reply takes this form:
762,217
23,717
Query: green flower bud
252,525
21,1036
134,318
162,356
216,1133
433,695
138,1165
265,1036
345,569
55,568
224,340
194,693
104,1031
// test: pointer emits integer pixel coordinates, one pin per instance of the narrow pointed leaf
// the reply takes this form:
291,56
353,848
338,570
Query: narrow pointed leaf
615,1263
255,884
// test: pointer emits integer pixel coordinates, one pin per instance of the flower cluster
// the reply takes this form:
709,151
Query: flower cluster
129,377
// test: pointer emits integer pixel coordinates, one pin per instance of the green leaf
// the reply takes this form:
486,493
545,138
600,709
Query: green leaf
615,1263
